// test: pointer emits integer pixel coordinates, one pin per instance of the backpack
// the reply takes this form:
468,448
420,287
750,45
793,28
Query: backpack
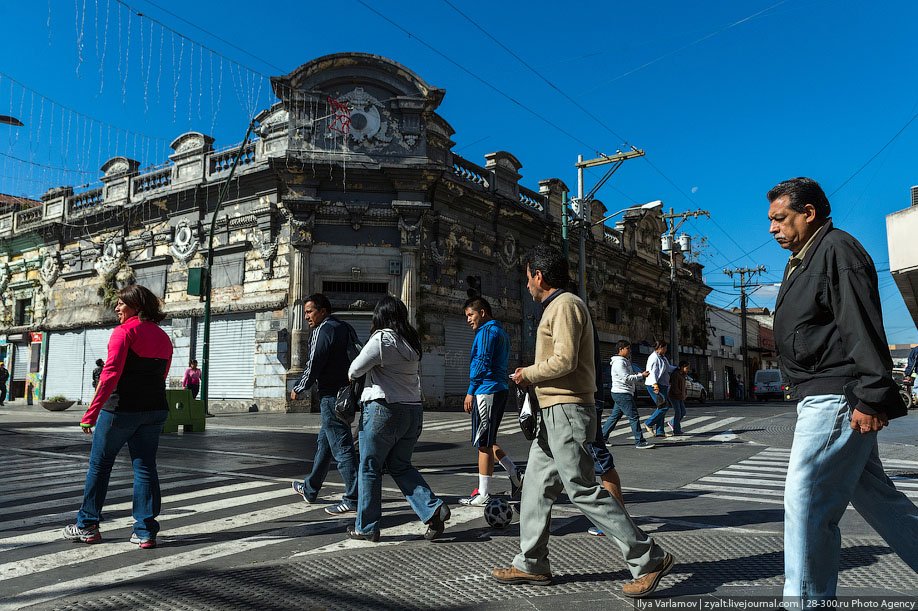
348,399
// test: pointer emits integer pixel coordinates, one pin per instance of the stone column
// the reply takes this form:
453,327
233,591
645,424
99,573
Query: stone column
409,224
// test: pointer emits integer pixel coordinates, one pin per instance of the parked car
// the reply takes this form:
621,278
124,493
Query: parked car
695,390
770,384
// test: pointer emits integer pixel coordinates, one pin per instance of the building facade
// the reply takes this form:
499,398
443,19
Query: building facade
350,188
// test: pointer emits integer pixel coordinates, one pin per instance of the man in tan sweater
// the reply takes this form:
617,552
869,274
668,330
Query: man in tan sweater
565,379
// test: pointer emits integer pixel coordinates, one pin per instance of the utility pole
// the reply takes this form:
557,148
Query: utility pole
583,201
672,228
744,273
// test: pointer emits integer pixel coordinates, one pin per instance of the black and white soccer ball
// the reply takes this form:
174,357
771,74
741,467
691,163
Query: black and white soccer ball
498,513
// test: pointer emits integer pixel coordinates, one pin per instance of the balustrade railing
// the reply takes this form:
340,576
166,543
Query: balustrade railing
28,218
531,199
469,171
222,161
159,179
85,202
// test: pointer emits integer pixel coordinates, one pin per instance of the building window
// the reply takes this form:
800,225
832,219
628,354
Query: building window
613,315
23,313
228,270
350,294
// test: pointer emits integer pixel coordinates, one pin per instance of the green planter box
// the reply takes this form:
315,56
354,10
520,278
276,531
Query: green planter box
185,412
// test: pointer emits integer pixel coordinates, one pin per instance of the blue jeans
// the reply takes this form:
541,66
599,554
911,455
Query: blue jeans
388,434
624,405
656,418
140,430
830,466
334,440
602,458
678,415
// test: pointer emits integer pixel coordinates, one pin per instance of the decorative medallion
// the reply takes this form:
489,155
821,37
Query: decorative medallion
508,256
184,243
111,257
51,268
267,249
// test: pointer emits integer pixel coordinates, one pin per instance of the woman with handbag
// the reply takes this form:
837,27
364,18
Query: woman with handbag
391,422
658,387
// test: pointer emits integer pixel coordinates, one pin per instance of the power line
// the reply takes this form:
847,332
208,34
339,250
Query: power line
478,78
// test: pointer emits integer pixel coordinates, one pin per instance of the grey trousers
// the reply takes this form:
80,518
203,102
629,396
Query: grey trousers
559,458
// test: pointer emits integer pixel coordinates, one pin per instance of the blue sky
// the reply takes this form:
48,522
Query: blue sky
726,98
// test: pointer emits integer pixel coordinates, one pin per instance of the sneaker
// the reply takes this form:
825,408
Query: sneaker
515,490
646,584
649,430
596,532
300,489
644,445
143,543
479,500
353,533
339,509
89,534
437,524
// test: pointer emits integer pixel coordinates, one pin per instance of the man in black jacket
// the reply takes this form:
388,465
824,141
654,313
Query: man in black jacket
833,351
327,369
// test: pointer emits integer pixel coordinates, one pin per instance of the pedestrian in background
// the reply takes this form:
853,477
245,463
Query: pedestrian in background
658,386
487,397
391,422
4,378
677,396
129,407
192,379
624,381
97,372
565,380
833,350
327,368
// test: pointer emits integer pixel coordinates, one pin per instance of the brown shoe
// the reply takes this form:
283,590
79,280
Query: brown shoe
646,584
513,575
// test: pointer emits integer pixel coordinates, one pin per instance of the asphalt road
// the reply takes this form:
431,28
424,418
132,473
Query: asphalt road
235,536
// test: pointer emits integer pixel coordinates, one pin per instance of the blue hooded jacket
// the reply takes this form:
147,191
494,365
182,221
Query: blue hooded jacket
488,372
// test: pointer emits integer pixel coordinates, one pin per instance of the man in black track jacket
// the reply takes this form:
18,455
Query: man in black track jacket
327,368
832,349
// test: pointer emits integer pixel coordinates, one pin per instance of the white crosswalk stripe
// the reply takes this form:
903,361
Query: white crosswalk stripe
205,516
461,423
760,478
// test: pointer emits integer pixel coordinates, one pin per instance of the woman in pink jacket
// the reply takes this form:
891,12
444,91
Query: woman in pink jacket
129,407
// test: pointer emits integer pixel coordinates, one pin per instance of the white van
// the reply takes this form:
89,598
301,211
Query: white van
769,384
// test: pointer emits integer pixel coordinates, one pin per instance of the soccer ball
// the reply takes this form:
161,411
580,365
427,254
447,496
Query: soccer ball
498,513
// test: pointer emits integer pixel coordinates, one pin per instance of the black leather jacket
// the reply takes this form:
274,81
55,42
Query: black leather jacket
829,327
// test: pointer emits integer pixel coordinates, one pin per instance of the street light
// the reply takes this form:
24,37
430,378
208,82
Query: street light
8,120
583,222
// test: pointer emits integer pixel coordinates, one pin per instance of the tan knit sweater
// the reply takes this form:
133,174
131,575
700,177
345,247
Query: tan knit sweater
564,371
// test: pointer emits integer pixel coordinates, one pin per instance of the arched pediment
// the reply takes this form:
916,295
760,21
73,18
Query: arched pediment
340,71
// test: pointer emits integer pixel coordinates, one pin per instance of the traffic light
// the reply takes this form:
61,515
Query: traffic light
474,286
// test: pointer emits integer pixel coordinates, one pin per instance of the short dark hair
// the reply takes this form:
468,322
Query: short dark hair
660,343
478,303
684,364
320,301
100,363
548,260
140,298
800,192
621,345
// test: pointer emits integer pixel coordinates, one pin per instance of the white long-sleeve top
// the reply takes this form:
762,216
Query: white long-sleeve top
659,368
391,366
624,380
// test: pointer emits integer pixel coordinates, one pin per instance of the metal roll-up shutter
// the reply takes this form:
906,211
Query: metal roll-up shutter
95,346
459,338
21,362
180,358
64,365
232,356
361,324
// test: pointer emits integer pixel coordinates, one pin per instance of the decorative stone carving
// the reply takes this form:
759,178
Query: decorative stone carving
508,256
51,268
300,231
111,257
4,277
356,210
184,242
267,249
